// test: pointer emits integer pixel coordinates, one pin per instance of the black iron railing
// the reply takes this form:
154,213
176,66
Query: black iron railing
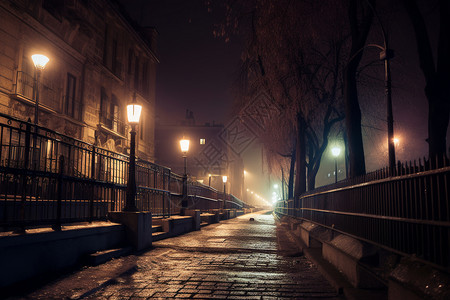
50,178
408,213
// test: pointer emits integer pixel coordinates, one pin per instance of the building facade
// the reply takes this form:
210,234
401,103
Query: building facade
99,61
209,156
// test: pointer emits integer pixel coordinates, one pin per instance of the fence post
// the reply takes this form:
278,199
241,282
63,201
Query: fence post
91,201
57,225
23,178
164,193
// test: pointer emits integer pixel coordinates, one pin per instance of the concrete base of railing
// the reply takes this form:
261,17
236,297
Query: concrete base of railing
413,280
43,251
176,225
372,268
138,227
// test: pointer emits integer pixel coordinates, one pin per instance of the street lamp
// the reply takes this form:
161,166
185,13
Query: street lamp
184,145
39,62
335,151
134,113
224,179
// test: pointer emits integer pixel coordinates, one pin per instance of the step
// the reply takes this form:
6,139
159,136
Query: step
101,257
203,224
157,228
156,236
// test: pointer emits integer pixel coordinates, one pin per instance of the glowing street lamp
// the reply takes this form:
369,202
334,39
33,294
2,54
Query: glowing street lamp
134,113
335,151
39,62
184,145
396,142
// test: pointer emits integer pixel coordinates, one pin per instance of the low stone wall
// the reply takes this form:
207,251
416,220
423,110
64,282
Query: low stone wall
33,254
45,251
370,267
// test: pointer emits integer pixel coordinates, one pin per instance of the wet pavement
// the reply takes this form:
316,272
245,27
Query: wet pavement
234,259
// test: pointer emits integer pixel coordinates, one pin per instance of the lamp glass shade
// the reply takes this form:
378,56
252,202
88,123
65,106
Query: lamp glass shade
184,144
335,151
134,113
39,61
224,178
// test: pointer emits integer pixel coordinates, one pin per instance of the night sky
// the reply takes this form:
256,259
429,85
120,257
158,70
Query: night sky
196,70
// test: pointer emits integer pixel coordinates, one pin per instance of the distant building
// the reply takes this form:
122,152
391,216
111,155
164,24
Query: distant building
208,153
98,61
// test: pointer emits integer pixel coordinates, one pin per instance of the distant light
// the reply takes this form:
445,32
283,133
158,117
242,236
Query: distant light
245,172
248,190
335,151
275,186
202,141
251,192
224,178
396,141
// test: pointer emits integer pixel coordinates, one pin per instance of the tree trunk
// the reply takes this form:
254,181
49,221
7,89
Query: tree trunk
359,27
437,89
300,161
353,125
292,174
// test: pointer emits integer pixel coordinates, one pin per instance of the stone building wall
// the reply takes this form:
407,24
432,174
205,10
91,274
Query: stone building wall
98,62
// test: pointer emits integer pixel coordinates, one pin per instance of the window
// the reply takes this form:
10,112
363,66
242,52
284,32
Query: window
141,128
136,74
115,63
202,141
105,107
144,84
130,61
70,103
105,47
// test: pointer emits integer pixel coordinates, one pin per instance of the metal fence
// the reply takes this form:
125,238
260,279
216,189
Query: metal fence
49,178
408,213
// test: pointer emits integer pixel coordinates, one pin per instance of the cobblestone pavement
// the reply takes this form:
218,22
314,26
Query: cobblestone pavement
236,259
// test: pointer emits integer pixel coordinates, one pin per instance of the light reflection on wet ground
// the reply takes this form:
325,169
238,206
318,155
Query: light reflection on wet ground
236,259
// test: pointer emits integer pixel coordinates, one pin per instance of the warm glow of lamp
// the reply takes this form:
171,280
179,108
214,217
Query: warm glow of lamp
134,113
396,141
184,144
39,61
335,151
224,178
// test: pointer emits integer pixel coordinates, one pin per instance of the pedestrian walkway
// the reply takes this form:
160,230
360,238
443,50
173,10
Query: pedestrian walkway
248,257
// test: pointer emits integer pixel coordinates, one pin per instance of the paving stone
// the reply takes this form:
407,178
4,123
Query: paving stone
246,265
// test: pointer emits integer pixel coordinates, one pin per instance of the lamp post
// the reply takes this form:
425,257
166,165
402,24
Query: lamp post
335,151
224,180
184,145
386,54
209,179
133,113
39,62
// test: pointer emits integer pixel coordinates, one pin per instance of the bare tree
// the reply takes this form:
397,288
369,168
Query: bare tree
437,75
298,61
360,15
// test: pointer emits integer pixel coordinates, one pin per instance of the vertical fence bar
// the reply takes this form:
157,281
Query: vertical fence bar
57,225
